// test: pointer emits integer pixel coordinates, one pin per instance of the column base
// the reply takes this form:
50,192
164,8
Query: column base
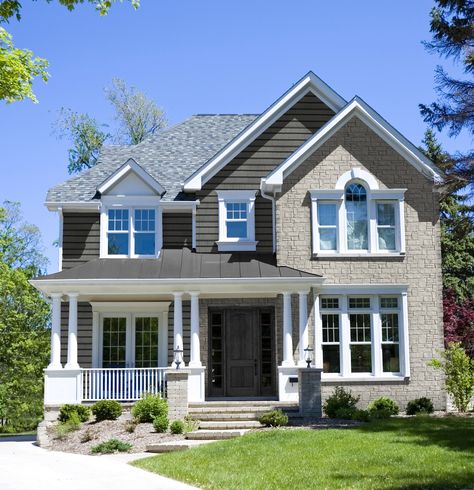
62,386
196,388
54,367
72,367
288,383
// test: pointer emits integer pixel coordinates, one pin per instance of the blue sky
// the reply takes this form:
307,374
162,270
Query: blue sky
207,57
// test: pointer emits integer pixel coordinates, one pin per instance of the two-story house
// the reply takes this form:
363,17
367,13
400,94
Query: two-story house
232,243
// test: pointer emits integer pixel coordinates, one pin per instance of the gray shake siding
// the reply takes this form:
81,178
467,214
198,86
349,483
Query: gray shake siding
84,333
254,162
81,238
177,230
186,331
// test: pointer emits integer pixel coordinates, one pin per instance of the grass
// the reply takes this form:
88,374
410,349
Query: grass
411,453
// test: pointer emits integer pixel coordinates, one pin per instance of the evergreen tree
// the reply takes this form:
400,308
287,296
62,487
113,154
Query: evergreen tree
452,26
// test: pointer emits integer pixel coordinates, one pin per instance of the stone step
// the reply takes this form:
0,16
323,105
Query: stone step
240,409
169,447
242,403
226,425
214,435
226,416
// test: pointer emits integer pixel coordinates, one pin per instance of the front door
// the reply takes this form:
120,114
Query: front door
241,354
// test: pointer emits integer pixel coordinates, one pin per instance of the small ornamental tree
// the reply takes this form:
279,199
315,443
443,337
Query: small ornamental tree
458,318
458,369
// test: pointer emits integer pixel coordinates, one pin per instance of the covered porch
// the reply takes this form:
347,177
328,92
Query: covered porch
237,328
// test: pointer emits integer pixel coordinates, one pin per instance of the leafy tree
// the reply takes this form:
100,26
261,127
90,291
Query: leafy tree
24,322
138,117
85,136
458,319
452,26
19,67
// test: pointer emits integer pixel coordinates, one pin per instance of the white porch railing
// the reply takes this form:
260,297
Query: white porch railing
122,384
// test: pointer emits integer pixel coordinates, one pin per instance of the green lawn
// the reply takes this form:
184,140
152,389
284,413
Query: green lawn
414,453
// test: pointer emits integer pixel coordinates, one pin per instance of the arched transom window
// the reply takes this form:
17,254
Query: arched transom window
357,218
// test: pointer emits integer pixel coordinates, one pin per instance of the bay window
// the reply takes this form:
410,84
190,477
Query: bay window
357,218
362,336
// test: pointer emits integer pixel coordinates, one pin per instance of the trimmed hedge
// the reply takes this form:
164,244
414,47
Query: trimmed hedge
106,410
82,411
149,407
420,405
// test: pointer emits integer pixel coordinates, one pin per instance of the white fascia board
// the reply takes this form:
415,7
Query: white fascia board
72,205
130,166
309,83
355,108
357,289
179,206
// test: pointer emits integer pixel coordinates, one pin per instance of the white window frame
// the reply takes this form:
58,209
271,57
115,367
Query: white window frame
131,204
374,196
225,244
375,294
129,311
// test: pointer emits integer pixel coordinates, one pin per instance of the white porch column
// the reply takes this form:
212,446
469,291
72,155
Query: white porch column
56,332
195,360
72,333
303,324
178,323
318,333
287,331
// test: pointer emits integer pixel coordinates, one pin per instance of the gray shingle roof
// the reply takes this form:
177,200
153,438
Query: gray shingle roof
182,264
169,157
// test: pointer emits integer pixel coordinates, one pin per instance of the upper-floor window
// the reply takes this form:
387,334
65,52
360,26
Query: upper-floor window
236,220
130,232
358,218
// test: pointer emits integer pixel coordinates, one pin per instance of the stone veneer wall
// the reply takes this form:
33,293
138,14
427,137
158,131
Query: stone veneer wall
355,145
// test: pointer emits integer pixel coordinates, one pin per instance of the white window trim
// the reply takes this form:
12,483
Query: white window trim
374,195
130,203
225,244
377,373
129,311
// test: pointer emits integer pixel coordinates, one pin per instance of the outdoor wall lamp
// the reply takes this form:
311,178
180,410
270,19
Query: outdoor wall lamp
178,356
308,356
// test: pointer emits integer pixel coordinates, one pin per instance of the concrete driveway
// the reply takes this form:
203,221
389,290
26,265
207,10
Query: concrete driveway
24,466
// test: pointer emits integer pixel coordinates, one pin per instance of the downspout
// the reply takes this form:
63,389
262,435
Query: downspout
272,199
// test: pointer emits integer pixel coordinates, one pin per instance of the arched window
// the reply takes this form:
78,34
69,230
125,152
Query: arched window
357,217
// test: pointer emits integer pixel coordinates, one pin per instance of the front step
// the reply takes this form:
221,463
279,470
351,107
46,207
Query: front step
214,435
223,416
229,425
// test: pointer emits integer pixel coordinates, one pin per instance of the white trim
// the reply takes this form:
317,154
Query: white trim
309,83
357,174
179,206
130,306
60,239
225,244
355,108
130,166
73,205
193,229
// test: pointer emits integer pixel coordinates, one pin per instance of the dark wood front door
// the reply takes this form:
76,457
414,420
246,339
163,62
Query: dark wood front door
241,353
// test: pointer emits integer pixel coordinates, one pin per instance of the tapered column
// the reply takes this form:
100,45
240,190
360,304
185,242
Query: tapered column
195,360
303,324
287,331
72,333
178,323
56,332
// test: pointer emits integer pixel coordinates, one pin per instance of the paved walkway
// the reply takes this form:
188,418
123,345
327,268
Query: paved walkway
24,466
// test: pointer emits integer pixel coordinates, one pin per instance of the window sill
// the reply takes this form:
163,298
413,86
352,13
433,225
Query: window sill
326,255
240,246
363,379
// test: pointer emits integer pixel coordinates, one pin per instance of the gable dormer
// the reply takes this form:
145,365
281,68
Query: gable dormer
131,216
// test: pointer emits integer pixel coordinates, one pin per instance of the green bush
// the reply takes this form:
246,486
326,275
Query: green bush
420,405
346,413
161,423
340,399
458,369
149,407
190,423
65,411
111,446
64,428
106,410
383,408
275,418
177,427
361,415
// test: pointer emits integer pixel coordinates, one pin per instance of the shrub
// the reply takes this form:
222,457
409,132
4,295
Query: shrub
177,427
275,418
111,446
149,407
190,423
65,412
345,413
361,415
383,408
64,428
161,423
420,405
106,410
458,369
131,425
338,400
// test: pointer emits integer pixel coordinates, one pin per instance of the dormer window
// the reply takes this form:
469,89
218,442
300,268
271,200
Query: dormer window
118,232
236,221
357,218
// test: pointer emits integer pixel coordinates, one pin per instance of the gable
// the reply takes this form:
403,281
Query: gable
309,84
131,185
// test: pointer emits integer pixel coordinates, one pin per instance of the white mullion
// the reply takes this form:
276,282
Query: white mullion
376,334
342,226
131,238
372,228
401,226
345,337
130,341
315,227
403,338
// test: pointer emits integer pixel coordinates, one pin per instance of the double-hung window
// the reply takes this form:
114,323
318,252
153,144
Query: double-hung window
390,318
330,318
360,322
130,232
236,220
357,218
